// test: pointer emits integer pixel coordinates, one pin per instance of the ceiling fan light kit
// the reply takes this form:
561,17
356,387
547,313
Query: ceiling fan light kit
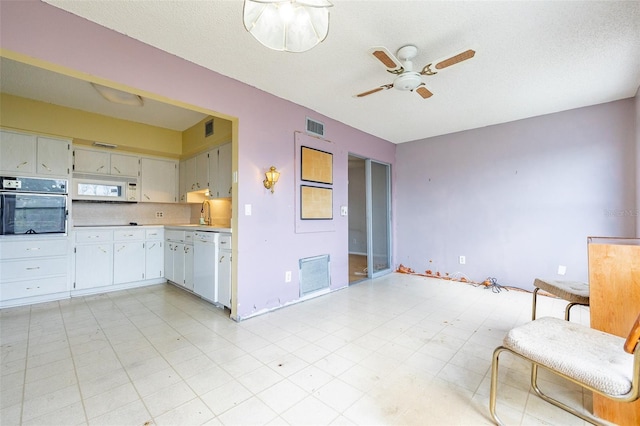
287,25
402,66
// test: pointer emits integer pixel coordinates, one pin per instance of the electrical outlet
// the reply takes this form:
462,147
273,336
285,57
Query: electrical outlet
562,269
159,214
287,277
462,260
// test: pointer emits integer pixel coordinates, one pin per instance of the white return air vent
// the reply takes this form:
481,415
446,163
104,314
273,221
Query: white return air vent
314,274
315,127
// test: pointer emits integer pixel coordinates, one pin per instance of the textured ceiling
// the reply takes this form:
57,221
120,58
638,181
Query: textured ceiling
533,57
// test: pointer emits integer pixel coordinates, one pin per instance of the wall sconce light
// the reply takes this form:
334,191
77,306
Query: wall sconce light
272,177
287,25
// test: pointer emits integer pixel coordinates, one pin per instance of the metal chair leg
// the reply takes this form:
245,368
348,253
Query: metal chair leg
535,302
494,386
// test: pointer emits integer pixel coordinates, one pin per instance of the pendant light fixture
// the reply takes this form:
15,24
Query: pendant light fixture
287,25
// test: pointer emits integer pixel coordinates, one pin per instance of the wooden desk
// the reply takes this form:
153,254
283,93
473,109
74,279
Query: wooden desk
614,281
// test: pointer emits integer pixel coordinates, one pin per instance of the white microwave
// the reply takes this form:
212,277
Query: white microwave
108,189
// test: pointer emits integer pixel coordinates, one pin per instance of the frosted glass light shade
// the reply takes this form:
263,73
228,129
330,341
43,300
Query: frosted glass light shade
287,25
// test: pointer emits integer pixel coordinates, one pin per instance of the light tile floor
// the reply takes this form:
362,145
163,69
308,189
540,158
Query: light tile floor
398,350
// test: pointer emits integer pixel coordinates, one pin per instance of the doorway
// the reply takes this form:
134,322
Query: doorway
369,218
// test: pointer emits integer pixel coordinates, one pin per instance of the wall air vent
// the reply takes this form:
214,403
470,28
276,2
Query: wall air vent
314,274
315,127
105,145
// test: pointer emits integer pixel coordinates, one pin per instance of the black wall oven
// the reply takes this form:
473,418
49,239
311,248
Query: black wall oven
33,206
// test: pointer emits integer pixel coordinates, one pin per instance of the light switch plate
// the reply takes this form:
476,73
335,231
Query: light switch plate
344,210
247,209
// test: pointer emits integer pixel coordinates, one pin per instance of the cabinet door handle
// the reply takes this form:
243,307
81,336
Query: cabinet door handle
230,188
21,164
117,169
223,242
32,268
120,249
220,261
146,196
100,168
45,166
102,250
152,246
33,248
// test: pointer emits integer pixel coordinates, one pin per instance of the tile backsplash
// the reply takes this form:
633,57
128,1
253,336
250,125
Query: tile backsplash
96,213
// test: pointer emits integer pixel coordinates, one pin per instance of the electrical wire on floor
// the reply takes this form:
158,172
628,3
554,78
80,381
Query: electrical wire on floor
492,283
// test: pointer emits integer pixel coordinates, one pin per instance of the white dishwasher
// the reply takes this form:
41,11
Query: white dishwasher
205,257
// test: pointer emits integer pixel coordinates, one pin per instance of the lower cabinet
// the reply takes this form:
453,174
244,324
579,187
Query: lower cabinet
224,270
178,258
94,265
121,256
33,270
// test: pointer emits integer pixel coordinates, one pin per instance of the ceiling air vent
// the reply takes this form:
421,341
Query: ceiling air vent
315,127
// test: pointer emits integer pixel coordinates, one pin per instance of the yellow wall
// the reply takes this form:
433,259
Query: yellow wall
194,141
85,128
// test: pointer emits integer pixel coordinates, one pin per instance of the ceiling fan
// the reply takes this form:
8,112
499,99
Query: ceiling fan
402,66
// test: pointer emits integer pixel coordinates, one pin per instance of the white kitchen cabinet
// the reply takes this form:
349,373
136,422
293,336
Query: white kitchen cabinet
53,157
188,266
33,270
196,173
124,165
179,258
94,265
154,253
182,181
224,270
220,179
128,255
91,161
169,270
93,258
159,180
17,153
94,161
31,155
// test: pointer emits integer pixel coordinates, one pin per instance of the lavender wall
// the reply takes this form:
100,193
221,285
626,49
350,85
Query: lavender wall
518,199
267,245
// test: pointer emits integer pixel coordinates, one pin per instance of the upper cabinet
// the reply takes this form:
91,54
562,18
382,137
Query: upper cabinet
220,171
105,163
124,165
197,172
159,180
208,170
31,155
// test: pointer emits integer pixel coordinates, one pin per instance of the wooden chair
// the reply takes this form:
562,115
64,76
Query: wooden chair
575,292
603,363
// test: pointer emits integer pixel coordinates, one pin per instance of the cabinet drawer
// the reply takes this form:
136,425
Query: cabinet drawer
128,234
174,235
33,268
225,241
154,234
93,236
19,289
29,249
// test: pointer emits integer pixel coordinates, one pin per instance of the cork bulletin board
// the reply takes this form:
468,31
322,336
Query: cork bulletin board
316,166
316,203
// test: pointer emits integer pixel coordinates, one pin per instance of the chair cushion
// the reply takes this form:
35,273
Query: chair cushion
589,356
573,291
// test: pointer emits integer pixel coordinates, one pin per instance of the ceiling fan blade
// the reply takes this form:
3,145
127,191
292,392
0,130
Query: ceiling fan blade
468,54
424,92
376,90
387,59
